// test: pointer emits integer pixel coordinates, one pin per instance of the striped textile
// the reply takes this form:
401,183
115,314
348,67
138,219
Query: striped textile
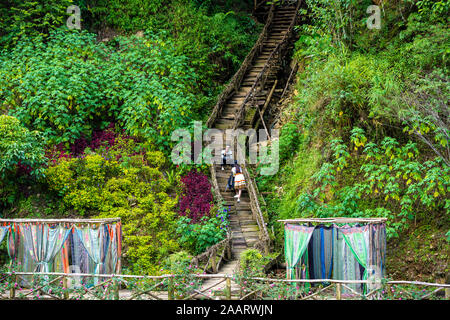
320,253
345,266
295,244
239,181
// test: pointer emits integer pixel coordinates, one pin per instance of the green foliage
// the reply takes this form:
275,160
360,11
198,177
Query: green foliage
251,262
289,140
120,183
21,157
197,237
395,184
20,19
213,36
140,82
19,146
371,108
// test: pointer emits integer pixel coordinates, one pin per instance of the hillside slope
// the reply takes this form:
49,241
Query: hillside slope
365,133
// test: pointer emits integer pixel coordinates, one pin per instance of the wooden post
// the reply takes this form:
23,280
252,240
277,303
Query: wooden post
261,112
12,291
266,247
213,261
170,289
228,289
229,251
338,291
446,290
65,285
116,289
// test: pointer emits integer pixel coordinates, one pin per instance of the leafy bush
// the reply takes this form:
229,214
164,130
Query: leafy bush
125,181
139,82
289,141
21,157
251,263
371,107
20,19
19,146
395,184
179,264
196,199
197,237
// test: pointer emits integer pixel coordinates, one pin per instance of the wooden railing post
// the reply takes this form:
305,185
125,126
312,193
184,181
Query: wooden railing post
170,289
213,261
229,255
116,289
338,291
66,287
12,291
228,289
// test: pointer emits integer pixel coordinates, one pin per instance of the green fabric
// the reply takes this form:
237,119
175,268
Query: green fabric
357,238
295,244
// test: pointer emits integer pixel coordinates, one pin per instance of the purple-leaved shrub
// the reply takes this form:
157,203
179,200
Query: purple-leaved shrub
196,200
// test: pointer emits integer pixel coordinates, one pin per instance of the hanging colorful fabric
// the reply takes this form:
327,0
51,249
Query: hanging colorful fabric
96,242
3,231
357,238
296,241
43,243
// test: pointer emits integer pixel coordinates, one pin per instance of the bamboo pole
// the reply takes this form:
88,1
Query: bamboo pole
335,220
170,291
338,291
66,292
12,291
81,221
213,261
228,289
116,289
261,112
146,292
289,80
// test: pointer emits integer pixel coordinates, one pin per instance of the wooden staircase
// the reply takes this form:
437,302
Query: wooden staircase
282,19
245,227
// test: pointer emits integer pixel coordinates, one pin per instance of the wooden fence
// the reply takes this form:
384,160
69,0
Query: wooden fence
164,288
214,256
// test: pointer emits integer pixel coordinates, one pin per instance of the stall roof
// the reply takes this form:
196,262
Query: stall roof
334,220
88,221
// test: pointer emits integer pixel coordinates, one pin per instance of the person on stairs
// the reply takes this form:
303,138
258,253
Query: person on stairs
239,183
226,156
230,183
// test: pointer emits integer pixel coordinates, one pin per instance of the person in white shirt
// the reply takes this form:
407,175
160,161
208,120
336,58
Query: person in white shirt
226,156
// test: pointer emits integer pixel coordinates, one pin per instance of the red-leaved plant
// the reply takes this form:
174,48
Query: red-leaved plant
196,199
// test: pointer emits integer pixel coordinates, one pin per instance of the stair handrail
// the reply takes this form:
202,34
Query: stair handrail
252,92
264,237
209,255
236,80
